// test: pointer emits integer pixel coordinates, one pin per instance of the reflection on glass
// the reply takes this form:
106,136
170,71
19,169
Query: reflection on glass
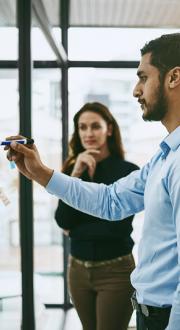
46,129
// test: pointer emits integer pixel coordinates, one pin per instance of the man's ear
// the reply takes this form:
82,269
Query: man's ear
174,77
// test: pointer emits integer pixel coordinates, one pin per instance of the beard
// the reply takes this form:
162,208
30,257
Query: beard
158,110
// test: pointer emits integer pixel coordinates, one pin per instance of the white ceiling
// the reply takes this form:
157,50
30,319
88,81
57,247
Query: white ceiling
125,13
107,13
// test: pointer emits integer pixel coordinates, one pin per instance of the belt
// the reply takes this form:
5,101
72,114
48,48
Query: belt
147,310
89,264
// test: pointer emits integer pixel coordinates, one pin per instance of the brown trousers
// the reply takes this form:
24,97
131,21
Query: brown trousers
101,295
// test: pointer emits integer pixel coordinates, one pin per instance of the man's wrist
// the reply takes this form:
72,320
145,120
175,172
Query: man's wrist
44,176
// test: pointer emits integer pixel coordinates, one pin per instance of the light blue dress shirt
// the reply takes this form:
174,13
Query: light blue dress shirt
155,188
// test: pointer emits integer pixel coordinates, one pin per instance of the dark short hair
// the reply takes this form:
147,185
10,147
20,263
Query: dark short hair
114,141
165,52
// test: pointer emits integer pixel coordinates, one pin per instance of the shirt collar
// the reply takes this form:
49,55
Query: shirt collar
171,142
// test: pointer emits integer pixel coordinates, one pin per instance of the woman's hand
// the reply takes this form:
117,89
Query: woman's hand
86,159
28,161
66,232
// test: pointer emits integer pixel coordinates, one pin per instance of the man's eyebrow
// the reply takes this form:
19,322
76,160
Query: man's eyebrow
140,72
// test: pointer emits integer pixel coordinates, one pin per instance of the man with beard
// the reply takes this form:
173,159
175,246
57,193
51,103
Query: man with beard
155,188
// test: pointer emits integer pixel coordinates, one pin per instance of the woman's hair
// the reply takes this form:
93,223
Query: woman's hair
114,141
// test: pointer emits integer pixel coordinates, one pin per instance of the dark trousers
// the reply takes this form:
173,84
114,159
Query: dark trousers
101,295
156,321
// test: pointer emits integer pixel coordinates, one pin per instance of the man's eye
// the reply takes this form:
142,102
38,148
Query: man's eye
143,78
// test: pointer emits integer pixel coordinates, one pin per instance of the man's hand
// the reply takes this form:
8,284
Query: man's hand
28,161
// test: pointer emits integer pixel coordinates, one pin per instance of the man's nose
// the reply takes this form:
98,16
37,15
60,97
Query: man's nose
137,91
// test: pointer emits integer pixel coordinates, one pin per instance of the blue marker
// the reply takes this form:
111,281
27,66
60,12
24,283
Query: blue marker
21,141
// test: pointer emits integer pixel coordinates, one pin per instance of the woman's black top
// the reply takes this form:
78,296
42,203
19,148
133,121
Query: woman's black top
93,238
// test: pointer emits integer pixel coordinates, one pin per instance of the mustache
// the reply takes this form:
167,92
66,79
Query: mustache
141,101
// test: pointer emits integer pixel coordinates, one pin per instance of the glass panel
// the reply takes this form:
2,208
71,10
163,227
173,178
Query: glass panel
46,127
40,47
110,44
9,43
114,88
41,50
9,195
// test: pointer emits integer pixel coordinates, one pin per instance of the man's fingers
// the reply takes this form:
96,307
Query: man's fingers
9,155
15,137
12,155
21,148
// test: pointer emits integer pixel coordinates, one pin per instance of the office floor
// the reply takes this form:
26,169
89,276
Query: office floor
46,319
47,290
50,320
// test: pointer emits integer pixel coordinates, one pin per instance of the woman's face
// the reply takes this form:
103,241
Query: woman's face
93,131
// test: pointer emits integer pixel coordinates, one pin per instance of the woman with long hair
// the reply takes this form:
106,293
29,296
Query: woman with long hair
100,261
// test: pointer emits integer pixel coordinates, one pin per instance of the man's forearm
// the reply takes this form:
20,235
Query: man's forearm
108,202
